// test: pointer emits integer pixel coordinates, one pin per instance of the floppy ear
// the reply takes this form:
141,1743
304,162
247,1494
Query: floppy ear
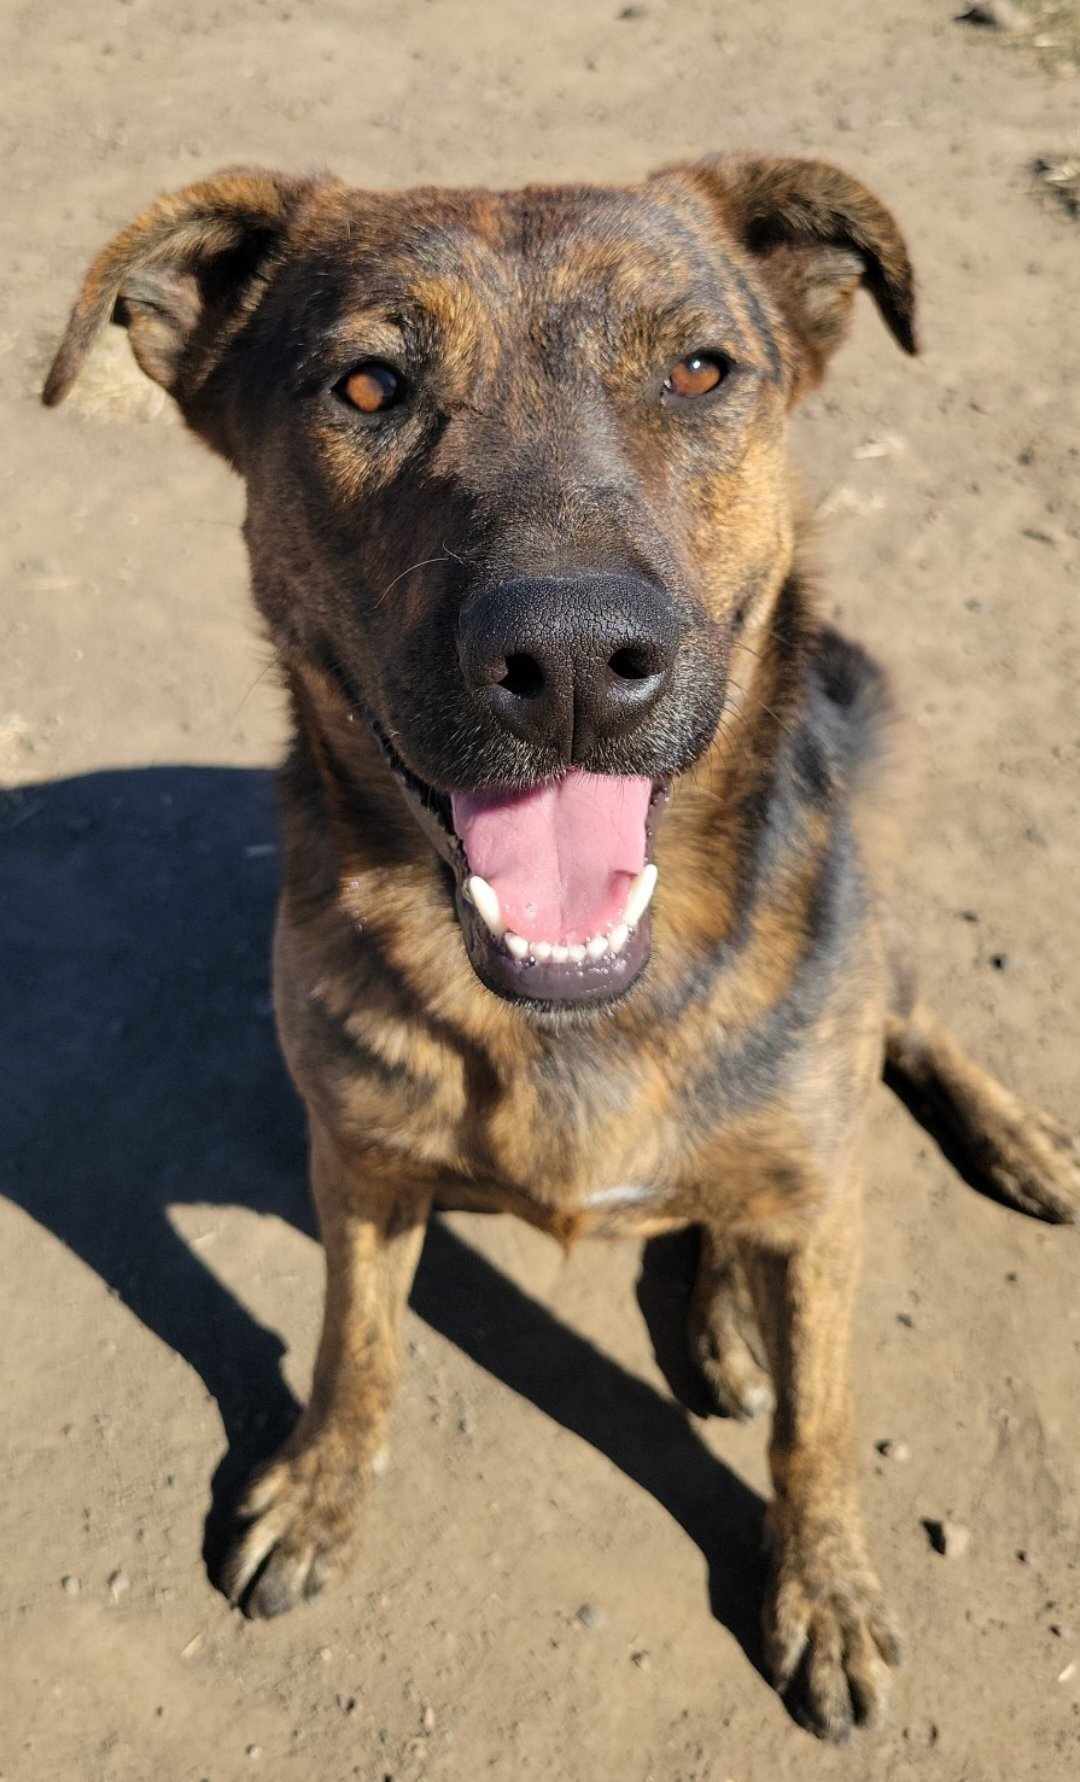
177,279
816,235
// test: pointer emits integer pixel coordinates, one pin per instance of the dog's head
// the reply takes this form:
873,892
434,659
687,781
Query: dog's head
516,485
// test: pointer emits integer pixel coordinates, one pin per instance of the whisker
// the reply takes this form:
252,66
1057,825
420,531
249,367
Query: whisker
424,563
261,676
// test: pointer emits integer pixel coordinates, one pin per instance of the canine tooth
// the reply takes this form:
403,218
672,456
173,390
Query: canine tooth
543,950
517,945
486,899
641,891
618,937
560,955
597,947
576,953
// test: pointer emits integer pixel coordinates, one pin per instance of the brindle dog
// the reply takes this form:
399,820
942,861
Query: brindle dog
523,534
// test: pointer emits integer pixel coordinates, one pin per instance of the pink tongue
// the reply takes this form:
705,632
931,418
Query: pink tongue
560,857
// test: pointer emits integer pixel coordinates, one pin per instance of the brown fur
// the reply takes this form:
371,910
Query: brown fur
728,1088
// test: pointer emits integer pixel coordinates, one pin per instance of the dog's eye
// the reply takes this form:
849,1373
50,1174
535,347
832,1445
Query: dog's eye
372,387
696,375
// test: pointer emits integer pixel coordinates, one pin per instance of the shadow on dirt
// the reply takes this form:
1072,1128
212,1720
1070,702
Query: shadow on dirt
143,1071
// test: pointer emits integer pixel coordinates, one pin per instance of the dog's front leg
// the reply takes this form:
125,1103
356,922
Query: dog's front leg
301,1511
828,1636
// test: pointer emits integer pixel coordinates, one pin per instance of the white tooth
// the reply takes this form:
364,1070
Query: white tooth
560,955
577,953
542,949
486,899
517,945
640,895
618,937
597,947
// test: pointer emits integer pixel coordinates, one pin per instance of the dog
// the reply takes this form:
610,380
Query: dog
588,830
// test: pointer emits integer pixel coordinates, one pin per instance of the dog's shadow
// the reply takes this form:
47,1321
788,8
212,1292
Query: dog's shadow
142,1071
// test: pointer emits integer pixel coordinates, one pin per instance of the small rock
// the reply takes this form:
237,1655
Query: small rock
1023,1555
70,1586
326,1654
906,1320
347,1703
999,961
950,1539
999,15
254,1751
632,12
1060,1631
427,1719
1067,1675
890,1450
641,1659
1062,176
119,1585
590,1615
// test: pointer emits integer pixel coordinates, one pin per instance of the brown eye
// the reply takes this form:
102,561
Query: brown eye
372,387
696,375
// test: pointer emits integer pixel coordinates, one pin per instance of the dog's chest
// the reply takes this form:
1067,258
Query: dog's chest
581,1135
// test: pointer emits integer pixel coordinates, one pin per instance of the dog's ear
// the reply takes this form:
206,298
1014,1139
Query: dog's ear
178,277
817,235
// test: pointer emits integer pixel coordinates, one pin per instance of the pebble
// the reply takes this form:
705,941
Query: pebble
427,1719
119,1585
1067,1675
254,1751
950,1539
590,1615
70,1585
1060,1631
890,1450
1001,15
641,1659
326,1654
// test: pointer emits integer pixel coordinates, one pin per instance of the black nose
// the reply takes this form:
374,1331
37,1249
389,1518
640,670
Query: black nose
569,662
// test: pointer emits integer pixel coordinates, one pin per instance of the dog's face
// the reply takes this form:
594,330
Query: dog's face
517,482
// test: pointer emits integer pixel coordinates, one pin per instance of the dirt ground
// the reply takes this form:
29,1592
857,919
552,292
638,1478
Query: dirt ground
562,1564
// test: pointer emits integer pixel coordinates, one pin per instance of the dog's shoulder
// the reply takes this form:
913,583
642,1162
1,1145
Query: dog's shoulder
849,707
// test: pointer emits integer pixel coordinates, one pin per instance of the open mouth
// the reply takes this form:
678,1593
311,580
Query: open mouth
552,884
555,904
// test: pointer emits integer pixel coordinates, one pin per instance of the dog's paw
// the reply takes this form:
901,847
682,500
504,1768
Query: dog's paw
830,1642
1033,1162
737,1385
295,1525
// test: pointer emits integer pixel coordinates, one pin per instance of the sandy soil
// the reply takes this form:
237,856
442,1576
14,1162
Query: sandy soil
562,1565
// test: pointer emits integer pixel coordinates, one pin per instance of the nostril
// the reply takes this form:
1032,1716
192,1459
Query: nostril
634,662
524,677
